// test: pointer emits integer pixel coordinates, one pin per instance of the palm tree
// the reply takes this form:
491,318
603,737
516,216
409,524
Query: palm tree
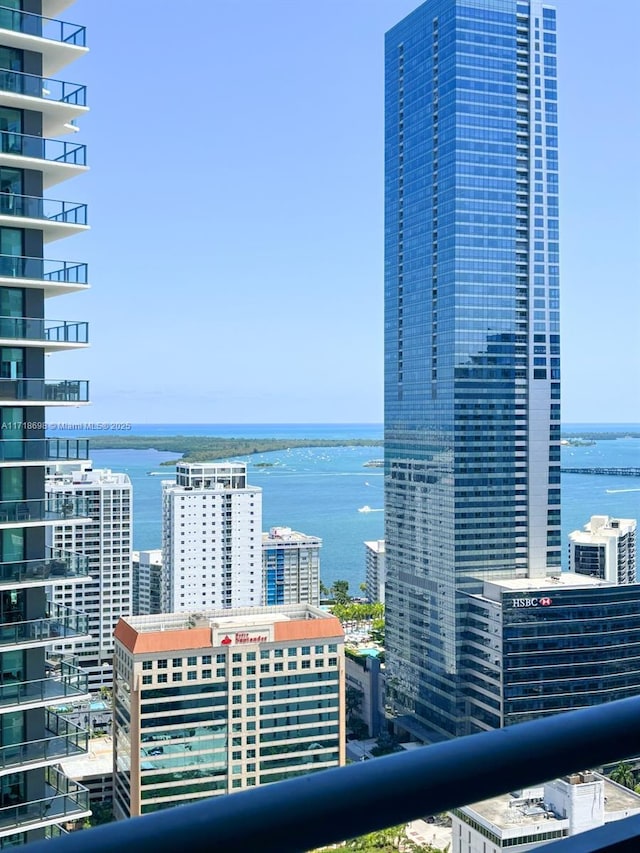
623,774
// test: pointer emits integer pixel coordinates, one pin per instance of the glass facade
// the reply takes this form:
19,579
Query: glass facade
472,393
548,651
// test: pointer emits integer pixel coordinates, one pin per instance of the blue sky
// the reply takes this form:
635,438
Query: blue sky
236,203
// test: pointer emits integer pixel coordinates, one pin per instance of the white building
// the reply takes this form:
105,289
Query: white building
204,703
106,543
375,568
211,538
290,567
147,581
529,818
606,549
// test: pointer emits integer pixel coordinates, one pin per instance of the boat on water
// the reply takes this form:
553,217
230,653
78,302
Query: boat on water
365,509
374,463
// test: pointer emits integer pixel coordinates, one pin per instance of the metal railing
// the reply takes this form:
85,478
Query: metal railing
49,391
60,623
68,799
64,740
58,507
48,209
326,807
46,88
63,272
39,329
60,566
67,682
43,449
41,148
37,25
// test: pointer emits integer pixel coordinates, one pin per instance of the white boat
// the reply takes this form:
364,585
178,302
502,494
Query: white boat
365,509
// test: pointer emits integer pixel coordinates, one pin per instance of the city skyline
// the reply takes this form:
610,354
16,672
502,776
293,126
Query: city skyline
271,218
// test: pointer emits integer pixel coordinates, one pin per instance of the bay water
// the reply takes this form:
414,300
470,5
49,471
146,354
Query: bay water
321,491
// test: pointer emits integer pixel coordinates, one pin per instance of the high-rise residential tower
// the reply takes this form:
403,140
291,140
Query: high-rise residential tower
290,567
106,543
472,390
606,548
37,105
211,538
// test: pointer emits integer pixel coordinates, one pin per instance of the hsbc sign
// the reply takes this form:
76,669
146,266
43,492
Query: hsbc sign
531,602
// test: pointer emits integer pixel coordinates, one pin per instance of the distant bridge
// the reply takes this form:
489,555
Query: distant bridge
608,472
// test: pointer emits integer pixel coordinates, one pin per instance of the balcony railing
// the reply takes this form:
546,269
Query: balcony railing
39,329
49,391
56,508
55,150
43,449
60,623
37,25
48,209
326,807
69,682
63,740
62,272
59,566
46,88
67,800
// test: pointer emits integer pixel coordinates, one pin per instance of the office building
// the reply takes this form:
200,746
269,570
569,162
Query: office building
529,818
37,105
290,567
375,570
211,538
534,647
106,543
606,548
147,582
219,701
472,376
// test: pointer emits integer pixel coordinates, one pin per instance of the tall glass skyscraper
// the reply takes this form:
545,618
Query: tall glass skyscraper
472,375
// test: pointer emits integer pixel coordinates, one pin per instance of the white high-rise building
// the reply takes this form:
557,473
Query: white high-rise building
106,543
290,567
147,582
211,538
375,570
605,549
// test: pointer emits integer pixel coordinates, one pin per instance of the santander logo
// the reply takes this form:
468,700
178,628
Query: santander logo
226,641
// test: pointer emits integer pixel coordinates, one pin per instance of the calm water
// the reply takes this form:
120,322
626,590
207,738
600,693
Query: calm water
320,490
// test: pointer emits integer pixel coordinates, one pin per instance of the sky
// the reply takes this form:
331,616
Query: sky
236,203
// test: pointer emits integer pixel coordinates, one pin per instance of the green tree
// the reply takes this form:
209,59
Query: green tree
324,590
353,700
623,774
340,592
377,631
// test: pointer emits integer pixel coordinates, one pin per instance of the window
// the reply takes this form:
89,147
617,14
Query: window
162,678
192,661
206,659
147,679
237,657
177,662
220,672
147,664
219,659
162,664
264,654
177,676
192,675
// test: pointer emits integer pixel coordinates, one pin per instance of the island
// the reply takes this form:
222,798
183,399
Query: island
201,448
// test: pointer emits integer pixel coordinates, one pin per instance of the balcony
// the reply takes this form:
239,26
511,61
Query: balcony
53,510
54,218
61,624
59,42
65,800
67,684
59,102
62,740
54,277
59,567
326,807
19,452
43,392
56,159
51,334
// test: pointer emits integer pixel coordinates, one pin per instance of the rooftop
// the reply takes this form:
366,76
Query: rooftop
97,761
287,535
220,627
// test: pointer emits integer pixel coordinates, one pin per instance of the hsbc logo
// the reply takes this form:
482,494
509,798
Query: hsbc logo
531,602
